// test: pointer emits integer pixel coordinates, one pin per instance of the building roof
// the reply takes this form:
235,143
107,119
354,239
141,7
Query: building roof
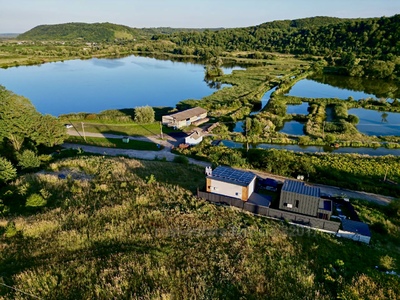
356,227
189,113
195,135
300,187
233,176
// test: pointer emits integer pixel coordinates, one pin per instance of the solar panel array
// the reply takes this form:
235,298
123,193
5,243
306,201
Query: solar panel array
233,175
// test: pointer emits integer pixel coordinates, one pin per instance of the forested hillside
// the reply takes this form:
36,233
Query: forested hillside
377,37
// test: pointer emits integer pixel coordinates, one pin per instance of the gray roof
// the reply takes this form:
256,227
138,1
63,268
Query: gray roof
230,175
189,113
300,187
356,227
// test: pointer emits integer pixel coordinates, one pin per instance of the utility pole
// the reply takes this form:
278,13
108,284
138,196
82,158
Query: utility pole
162,135
83,130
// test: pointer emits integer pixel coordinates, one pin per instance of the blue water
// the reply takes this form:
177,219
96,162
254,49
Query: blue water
293,128
301,109
312,89
377,123
314,149
98,84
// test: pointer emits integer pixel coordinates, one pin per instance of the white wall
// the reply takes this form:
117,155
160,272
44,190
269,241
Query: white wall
354,236
226,189
251,187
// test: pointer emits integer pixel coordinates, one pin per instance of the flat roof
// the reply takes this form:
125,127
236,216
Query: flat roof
189,113
356,227
300,187
230,175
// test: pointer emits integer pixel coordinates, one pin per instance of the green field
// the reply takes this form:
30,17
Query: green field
114,143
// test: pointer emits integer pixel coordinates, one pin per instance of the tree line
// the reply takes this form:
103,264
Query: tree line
24,134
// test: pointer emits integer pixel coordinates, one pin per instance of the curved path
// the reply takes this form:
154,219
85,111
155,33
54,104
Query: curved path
169,142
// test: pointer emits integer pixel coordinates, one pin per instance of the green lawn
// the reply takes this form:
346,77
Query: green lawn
132,129
114,143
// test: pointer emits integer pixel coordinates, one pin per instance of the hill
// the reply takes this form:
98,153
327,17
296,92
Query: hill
96,32
325,36
118,228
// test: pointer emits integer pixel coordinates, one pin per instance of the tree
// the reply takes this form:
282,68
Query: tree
144,114
49,131
18,118
7,170
28,160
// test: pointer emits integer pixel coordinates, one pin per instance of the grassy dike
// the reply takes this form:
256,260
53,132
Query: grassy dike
134,229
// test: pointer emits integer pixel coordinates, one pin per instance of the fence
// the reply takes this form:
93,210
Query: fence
270,212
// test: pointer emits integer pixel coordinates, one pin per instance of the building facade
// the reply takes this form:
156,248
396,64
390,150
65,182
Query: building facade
297,197
184,118
231,182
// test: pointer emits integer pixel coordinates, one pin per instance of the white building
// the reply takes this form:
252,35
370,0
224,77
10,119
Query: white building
231,182
194,138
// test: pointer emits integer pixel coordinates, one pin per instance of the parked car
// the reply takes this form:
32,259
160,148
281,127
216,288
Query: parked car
68,126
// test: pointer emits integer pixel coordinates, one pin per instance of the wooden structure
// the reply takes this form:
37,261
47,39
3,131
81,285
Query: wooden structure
187,117
231,182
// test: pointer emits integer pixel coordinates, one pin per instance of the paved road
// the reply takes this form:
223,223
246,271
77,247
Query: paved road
168,142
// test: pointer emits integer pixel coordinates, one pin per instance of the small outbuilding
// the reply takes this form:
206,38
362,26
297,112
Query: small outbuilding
187,117
231,182
194,138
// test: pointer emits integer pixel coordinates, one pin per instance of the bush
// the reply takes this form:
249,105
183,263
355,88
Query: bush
35,200
144,114
28,159
181,160
7,170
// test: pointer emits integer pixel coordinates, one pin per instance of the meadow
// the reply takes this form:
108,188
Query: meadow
130,229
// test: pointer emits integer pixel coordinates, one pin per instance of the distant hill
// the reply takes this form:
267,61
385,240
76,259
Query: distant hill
301,23
96,32
8,35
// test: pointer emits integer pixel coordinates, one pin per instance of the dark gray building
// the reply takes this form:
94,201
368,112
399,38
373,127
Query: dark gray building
297,197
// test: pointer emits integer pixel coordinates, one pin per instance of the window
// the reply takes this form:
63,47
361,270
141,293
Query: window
297,203
237,194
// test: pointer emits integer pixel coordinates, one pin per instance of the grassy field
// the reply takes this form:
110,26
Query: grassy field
132,229
114,143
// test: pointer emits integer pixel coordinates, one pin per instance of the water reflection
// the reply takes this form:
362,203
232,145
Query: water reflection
378,123
313,149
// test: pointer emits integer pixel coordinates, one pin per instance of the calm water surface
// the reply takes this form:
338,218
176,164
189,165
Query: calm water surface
374,122
301,109
314,149
99,84
312,89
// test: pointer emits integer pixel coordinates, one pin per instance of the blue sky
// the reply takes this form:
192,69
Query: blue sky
21,15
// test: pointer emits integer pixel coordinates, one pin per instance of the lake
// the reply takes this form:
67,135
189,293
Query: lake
309,88
314,149
95,85
377,123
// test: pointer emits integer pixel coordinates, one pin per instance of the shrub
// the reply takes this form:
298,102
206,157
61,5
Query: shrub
7,170
35,200
181,160
11,230
28,159
144,114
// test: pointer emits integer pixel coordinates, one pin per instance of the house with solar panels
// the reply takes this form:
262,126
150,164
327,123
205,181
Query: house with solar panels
300,198
230,182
